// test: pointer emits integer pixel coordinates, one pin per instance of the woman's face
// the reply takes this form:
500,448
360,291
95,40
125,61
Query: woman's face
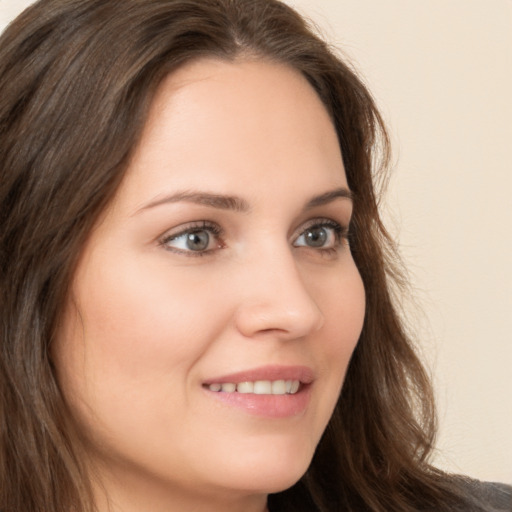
217,282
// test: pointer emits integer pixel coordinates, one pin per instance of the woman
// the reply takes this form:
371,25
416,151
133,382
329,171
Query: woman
193,267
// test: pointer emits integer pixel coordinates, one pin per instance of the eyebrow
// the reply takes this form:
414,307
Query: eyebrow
219,201
234,203
328,197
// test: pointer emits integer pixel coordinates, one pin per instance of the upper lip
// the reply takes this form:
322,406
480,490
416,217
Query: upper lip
304,374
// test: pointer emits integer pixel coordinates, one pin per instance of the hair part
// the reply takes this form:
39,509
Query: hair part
77,78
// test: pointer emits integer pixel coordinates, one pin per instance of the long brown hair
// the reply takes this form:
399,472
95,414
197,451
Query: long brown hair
76,81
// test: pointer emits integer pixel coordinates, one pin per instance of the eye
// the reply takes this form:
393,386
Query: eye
194,239
324,235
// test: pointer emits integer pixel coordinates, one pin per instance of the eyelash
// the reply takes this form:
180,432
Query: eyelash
341,235
195,227
340,232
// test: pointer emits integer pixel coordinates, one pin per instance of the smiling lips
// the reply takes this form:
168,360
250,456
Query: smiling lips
259,387
271,391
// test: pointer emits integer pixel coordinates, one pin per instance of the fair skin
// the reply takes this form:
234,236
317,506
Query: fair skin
221,260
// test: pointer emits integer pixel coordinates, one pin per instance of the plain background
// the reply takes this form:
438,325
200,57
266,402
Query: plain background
441,71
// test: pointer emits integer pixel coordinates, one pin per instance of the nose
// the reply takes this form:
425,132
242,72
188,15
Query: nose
274,299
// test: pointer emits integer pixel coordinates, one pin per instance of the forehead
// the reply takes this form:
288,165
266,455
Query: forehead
236,124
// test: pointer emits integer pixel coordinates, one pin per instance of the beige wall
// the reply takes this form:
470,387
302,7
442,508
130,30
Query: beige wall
442,73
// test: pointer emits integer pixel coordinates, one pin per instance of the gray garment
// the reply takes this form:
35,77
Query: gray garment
489,496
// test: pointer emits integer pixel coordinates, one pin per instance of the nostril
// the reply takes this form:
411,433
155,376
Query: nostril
285,322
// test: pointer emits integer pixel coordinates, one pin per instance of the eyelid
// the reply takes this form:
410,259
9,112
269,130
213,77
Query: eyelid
175,233
342,228
341,234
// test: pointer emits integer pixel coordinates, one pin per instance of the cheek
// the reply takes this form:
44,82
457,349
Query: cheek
342,301
350,318
129,340
137,319
126,355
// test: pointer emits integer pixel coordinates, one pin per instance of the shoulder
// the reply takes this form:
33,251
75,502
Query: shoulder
488,496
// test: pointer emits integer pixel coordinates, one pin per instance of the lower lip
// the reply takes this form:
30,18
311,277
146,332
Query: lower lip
267,406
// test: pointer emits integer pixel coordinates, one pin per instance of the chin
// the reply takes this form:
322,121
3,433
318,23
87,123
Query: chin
278,483
270,471
267,482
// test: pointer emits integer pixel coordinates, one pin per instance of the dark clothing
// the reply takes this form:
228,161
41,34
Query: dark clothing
491,497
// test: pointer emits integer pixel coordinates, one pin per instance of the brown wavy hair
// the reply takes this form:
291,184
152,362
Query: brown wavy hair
76,81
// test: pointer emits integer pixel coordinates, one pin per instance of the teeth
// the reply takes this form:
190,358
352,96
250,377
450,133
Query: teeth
262,387
279,387
259,387
245,387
